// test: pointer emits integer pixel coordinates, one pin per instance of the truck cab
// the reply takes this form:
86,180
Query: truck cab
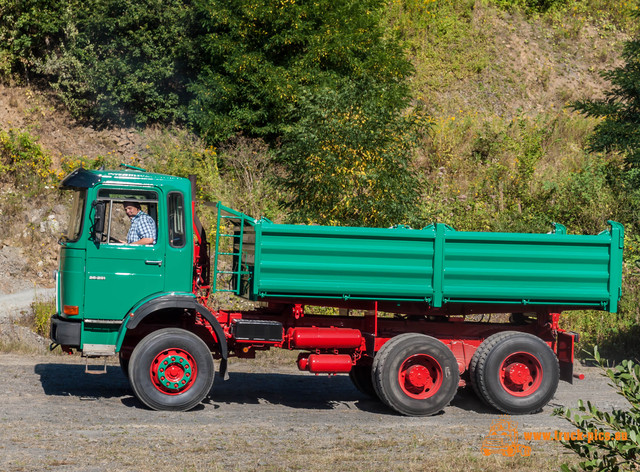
101,278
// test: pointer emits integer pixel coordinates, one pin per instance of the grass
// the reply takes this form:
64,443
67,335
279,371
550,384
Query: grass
312,447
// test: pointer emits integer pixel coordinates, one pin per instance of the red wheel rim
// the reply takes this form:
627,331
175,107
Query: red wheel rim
173,371
420,376
521,374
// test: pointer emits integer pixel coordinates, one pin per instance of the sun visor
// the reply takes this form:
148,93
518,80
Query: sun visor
80,178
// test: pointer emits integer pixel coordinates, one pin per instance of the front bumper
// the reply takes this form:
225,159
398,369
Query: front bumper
65,332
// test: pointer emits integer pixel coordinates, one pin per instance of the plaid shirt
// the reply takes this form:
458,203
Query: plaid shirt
142,226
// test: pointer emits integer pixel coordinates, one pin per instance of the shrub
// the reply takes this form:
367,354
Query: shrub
123,61
23,162
247,172
28,31
602,451
348,159
619,129
42,311
180,153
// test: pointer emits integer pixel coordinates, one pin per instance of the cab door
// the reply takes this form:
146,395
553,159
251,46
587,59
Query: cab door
118,275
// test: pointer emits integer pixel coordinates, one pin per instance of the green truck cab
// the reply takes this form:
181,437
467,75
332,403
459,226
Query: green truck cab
402,325
103,281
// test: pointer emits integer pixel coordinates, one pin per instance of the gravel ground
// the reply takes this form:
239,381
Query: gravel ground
56,417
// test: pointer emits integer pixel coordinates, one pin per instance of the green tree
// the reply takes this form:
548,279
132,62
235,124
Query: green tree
256,57
620,109
123,60
28,30
114,60
348,157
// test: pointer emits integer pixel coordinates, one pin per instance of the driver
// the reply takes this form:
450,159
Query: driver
143,228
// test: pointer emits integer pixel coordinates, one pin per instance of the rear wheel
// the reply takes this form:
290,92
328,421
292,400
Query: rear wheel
415,374
360,375
171,369
516,373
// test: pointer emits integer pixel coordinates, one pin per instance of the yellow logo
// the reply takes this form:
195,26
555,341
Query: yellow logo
503,439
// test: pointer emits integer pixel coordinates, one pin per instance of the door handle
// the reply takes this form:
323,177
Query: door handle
158,263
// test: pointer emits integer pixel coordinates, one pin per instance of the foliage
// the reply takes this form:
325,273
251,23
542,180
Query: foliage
257,58
180,153
619,129
348,158
603,451
444,43
247,170
28,29
615,334
519,174
537,6
122,60
116,61
23,162
40,318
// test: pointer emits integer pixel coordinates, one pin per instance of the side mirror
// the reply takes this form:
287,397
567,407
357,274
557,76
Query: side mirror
100,209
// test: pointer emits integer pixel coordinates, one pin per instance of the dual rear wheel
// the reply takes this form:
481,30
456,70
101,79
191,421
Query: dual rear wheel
516,373
417,375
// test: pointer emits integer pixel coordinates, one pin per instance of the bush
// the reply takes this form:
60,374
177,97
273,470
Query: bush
247,171
123,61
603,451
29,29
180,153
42,311
348,158
23,162
619,129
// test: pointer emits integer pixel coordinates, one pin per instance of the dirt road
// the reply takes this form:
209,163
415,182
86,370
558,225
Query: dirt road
55,417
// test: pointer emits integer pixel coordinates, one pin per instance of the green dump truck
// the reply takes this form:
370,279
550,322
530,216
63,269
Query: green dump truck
405,323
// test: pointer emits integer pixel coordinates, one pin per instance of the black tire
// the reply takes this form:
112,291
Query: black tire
516,373
360,375
415,374
124,363
171,369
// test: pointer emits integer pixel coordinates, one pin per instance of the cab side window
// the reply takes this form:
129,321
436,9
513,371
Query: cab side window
176,220
130,215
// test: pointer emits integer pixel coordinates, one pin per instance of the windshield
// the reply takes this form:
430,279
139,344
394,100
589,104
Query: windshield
75,216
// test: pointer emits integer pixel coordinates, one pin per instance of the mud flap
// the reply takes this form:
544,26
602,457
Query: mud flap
564,351
223,369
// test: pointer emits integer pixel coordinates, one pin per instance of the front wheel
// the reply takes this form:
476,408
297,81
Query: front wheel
171,369
415,374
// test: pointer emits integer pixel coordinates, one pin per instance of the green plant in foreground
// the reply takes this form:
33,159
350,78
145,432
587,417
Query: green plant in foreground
603,452
42,311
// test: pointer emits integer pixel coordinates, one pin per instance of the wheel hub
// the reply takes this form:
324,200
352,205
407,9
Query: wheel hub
418,376
518,374
521,374
173,371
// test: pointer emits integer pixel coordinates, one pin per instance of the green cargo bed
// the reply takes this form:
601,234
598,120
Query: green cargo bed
436,265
